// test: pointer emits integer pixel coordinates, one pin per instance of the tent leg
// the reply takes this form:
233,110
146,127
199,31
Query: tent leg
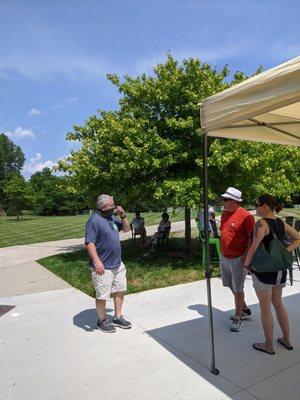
208,271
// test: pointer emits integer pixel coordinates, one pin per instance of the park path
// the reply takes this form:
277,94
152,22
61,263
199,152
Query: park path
20,273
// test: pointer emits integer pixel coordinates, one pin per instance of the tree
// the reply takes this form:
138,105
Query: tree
17,193
51,195
11,160
149,150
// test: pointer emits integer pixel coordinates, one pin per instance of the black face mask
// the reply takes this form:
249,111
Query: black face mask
107,213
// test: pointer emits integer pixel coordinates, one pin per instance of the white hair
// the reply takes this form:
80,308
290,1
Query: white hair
101,200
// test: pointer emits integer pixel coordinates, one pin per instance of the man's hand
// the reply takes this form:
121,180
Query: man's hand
99,268
120,211
248,268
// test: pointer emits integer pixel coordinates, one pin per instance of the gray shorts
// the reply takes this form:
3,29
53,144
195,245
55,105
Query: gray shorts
233,273
258,285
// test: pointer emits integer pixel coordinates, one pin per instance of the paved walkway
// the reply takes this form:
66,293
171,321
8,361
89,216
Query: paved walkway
50,348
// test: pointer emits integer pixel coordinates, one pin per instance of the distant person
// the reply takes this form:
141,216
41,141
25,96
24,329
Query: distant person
164,225
108,271
268,285
211,221
138,226
237,226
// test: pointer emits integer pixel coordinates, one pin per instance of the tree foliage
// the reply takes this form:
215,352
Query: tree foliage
149,151
50,195
255,168
11,160
17,193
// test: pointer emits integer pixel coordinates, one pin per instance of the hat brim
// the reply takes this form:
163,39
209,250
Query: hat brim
228,196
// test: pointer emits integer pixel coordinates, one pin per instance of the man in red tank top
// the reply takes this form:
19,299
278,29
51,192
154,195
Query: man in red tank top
237,226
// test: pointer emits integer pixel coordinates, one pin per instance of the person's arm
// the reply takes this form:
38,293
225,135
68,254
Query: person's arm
259,234
249,228
294,235
92,252
125,222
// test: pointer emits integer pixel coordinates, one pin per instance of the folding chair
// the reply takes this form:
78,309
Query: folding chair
134,234
164,239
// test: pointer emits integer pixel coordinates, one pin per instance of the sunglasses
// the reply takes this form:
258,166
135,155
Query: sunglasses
258,205
225,199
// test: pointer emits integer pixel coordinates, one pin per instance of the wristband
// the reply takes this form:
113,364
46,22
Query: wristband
124,216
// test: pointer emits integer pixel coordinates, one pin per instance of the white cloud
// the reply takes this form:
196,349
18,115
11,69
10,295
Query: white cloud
36,164
65,102
20,132
34,111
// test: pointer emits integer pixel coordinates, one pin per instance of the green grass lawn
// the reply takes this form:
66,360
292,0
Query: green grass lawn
144,270
33,229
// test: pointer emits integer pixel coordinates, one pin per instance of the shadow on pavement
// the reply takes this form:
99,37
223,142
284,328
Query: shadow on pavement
87,319
238,363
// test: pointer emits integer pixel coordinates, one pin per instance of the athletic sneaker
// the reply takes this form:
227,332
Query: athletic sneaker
121,322
236,323
246,314
106,326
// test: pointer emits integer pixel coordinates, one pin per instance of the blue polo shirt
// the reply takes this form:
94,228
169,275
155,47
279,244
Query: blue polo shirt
104,233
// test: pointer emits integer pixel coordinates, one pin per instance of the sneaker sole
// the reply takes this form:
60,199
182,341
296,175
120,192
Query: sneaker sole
102,330
246,318
121,326
235,330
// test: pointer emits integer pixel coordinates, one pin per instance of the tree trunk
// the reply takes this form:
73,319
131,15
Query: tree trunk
187,217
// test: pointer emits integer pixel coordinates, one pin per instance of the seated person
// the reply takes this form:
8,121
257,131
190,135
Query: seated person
212,226
163,225
138,226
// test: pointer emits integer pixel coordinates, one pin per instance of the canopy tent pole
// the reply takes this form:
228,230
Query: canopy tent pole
208,270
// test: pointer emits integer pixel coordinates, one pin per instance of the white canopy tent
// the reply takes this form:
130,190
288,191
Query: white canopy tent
265,108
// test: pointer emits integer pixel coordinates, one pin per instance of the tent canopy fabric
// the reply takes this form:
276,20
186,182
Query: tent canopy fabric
264,108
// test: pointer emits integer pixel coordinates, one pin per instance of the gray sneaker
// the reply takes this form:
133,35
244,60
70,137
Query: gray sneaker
246,314
121,322
106,326
236,323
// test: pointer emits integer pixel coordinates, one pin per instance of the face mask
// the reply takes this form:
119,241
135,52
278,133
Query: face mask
107,213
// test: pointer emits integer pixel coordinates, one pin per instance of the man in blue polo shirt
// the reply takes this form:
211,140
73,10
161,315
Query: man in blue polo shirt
108,271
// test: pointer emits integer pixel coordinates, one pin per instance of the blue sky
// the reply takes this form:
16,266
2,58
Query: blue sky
54,55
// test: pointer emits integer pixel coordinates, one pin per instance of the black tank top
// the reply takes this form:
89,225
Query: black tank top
278,228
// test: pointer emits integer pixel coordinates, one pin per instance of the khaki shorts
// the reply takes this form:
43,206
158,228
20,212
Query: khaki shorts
113,281
233,273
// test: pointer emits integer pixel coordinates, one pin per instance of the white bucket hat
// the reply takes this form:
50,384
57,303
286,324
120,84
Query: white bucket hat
233,193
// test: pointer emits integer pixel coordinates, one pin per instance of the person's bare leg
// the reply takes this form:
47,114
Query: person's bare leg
264,297
239,302
101,307
244,306
282,315
118,301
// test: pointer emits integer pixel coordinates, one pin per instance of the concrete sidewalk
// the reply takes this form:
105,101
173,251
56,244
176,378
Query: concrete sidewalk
50,348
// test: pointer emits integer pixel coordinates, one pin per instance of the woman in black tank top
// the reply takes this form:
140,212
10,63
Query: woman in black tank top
268,285
271,278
